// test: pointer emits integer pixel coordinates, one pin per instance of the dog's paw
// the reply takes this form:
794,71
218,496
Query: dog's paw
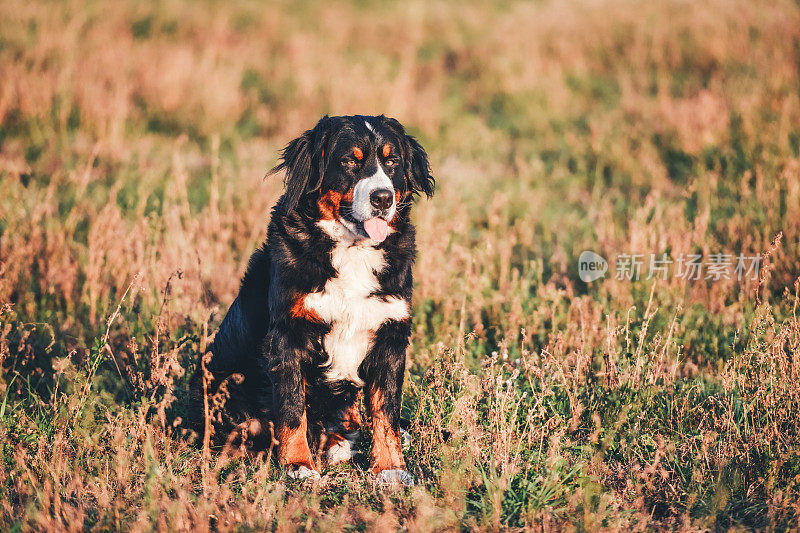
302,472
341,452
396,477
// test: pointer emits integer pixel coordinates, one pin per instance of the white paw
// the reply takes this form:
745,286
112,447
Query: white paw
339,453
394,478
303,472
344,450
405,439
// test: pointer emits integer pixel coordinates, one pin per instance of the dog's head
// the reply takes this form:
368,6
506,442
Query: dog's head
361,171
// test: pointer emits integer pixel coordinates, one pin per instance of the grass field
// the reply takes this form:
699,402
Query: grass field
133,142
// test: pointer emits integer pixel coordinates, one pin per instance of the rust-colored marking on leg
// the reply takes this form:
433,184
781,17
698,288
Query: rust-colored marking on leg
293,449
387,451
293,446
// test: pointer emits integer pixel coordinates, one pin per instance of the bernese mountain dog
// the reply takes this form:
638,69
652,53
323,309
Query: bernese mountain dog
324,307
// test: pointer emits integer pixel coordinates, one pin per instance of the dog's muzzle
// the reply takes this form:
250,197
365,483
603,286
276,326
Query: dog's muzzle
374,204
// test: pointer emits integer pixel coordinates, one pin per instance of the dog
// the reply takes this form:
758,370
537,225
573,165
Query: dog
323,311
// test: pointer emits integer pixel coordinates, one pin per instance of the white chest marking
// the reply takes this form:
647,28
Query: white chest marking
345,303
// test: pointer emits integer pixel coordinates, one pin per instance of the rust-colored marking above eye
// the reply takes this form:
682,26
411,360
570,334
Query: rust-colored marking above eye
387,149
358,153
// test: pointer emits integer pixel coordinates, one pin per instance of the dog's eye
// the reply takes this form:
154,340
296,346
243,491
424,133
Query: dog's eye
349,163
390,162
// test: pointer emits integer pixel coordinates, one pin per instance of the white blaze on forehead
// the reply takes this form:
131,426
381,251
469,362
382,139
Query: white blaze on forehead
368,125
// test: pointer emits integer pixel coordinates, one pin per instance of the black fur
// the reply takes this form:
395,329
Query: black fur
260,339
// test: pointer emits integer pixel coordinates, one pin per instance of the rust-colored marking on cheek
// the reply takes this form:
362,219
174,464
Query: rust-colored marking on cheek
358,153
300,311
387,451
329,205
348,196
293,445
398,196
387,149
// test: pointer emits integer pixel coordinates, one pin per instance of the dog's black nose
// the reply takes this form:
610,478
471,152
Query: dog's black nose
381,198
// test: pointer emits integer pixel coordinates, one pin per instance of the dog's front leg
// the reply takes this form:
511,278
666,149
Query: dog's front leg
289,390
385,368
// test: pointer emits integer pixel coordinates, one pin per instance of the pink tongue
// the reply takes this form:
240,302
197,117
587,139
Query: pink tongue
377,229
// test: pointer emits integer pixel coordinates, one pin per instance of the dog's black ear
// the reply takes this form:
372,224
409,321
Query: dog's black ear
304,161
416,167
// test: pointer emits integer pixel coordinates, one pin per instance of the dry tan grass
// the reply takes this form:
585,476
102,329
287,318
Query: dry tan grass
133,139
